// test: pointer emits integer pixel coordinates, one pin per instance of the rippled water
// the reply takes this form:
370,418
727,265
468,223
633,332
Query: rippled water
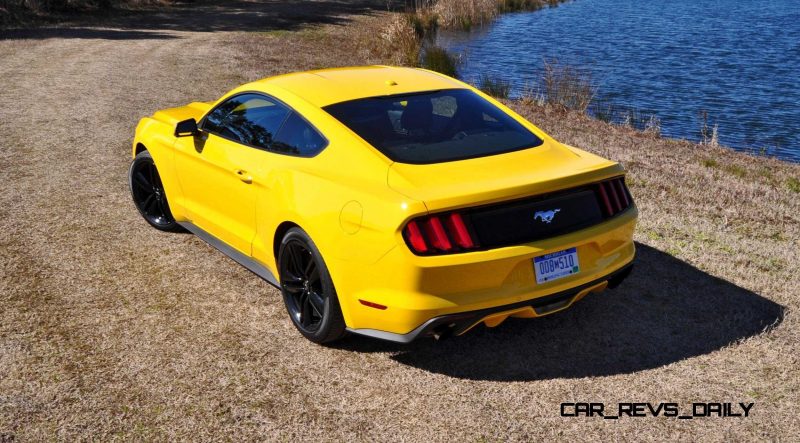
738,60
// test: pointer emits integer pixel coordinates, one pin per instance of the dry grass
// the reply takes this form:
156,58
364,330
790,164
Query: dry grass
408,39
113,331
566,86
464,14
401,41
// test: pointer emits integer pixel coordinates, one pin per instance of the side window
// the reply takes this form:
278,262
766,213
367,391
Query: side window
251,119
297,137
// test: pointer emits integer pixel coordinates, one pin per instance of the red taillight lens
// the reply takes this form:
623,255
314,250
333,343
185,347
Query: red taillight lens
415,238
439,234
613,196
604,199
461,235
623,196
436,234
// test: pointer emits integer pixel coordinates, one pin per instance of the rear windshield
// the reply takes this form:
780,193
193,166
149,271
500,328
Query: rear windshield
433,127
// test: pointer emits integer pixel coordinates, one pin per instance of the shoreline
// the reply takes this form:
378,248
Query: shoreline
684,118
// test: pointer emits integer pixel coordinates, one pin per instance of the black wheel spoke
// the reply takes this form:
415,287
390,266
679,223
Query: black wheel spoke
306,318
148,202
154,207
151,173
313,276
141,182
310,269
293,284
297,261
317,302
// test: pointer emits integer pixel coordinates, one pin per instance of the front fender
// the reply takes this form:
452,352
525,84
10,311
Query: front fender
158,139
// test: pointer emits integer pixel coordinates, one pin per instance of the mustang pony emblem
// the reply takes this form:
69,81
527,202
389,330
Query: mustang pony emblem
546,216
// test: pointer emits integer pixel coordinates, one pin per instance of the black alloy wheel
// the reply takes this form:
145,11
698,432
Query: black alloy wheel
148,193
308,290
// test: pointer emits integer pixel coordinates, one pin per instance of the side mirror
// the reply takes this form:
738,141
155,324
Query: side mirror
186,128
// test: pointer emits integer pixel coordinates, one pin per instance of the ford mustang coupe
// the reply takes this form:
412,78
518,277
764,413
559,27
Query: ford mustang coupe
389,202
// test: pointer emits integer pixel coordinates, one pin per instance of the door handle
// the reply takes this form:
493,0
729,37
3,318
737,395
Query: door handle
244,176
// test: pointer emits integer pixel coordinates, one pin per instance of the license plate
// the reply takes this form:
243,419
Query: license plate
556,265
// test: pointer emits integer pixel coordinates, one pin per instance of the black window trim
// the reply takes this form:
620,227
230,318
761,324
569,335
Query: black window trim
201,124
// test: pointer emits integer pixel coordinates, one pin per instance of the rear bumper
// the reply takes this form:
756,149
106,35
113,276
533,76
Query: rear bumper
457,324
418,291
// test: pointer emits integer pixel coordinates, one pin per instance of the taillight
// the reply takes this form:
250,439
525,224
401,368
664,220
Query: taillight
456,225
439,234
613,196
414,236
436,235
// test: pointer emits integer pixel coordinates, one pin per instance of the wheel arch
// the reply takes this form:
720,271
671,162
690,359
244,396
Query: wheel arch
280,232
140,147
156,138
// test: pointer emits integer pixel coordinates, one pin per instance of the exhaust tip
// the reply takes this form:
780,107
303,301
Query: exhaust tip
444,331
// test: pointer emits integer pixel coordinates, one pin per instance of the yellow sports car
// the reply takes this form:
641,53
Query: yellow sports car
389,202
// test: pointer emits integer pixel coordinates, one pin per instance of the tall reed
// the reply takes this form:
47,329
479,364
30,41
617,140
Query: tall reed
567,86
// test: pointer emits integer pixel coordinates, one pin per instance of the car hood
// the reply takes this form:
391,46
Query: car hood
545,168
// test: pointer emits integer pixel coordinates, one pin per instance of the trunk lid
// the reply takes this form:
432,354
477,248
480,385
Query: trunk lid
547,168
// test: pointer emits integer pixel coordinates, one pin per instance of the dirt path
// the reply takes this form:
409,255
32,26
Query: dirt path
112,329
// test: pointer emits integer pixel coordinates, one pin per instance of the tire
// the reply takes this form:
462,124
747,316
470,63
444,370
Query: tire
148,194
307,288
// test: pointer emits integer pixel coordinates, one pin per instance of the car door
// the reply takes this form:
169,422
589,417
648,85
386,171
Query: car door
218,168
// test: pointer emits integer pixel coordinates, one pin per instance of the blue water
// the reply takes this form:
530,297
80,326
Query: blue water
736,60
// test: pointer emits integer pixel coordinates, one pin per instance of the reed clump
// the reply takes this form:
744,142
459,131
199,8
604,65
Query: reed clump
567,86
402,41
494,86
464,14
410,40
525,5
709,135
438,59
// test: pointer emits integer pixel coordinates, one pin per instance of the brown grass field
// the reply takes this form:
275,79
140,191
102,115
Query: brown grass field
112,330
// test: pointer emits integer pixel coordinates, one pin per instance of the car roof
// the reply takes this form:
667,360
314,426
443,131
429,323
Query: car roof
324,87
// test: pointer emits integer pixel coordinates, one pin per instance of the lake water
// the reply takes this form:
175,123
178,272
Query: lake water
737,60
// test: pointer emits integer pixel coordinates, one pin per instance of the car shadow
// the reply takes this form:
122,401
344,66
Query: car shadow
666,311
202,16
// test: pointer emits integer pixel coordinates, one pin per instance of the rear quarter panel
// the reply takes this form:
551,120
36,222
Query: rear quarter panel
339,197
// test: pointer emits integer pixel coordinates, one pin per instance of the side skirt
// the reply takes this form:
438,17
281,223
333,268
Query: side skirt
254,266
